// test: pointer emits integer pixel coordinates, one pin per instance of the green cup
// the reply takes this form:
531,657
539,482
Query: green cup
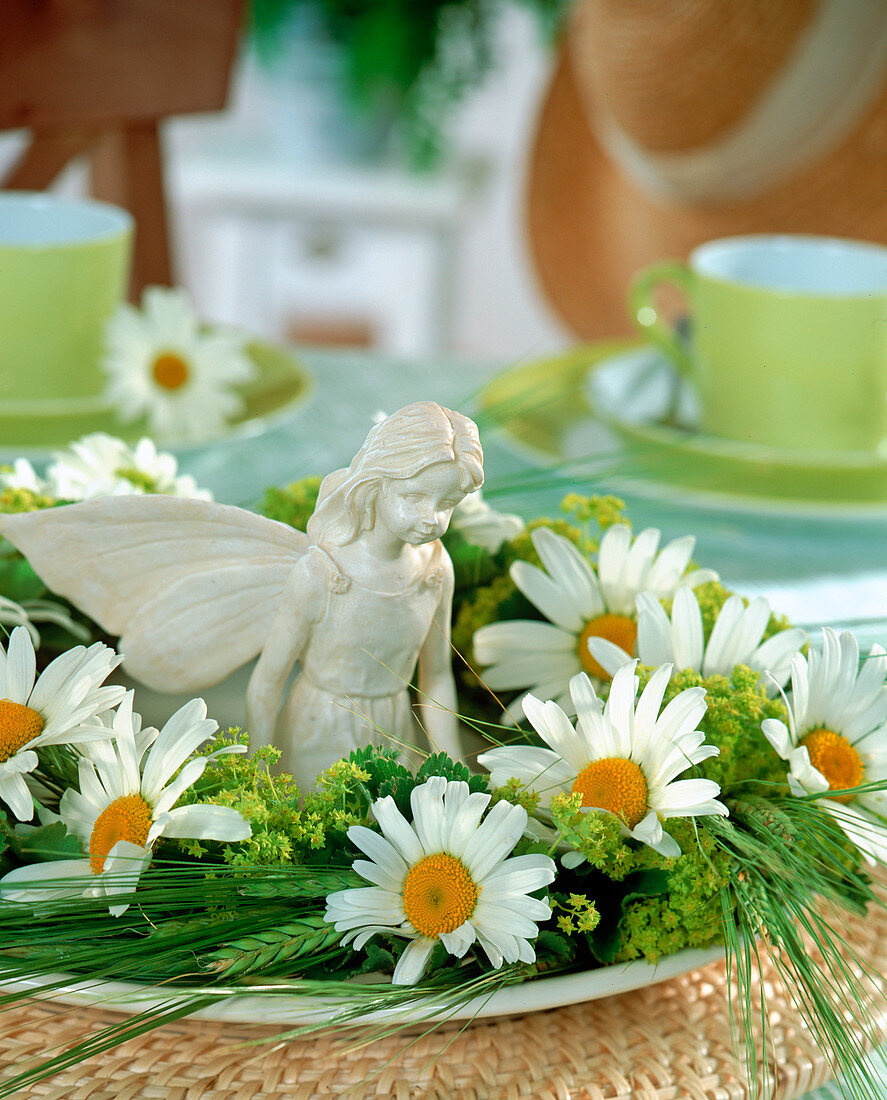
788,343
64,265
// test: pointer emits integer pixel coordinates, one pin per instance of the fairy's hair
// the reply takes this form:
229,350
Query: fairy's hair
401,446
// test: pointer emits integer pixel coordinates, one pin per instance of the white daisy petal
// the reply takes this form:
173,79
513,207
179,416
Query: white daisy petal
21,666
555,603
514,638
38,883
492,889
426,802
778,735
462,823
688,642
396,830
204,821
837,722
689,798
411,964
185,731
495,837
540,770
522,669
650,832
570,571
667,572
612,554
458,941
14,792
378,874
587,612
607,654
661,744
555,729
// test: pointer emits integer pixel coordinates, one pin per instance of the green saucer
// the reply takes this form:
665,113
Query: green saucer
552,406
281,382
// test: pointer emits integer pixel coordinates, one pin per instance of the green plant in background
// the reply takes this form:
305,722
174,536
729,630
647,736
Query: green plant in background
411,59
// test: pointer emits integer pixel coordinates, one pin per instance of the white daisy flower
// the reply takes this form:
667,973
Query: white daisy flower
836,737
579,604
60,708
484,526
623,757
22,475
162,365
445,878
101,465
735,639
129,788
31,612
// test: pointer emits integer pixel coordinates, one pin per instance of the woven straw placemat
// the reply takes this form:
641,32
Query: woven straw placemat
667,1042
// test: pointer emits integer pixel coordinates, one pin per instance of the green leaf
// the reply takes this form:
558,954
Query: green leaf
18,581
45,843
554,950
378,959
441,764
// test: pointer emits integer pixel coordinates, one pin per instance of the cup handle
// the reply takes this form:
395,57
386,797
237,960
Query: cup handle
647,318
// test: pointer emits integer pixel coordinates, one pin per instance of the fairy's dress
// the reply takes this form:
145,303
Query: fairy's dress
353,686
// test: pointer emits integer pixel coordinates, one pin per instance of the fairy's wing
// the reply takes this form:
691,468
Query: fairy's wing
191,587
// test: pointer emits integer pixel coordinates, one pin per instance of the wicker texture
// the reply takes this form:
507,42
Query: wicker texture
666,1042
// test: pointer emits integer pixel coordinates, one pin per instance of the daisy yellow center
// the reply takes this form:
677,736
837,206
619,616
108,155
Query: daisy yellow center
126,818
170,371
439,894
616,785
18,725
618,629
834,756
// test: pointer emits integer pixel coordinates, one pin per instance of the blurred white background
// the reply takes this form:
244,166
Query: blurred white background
276,230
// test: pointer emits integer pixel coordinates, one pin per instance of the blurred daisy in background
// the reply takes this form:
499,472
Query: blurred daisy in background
164,366
129,787
735,639
623,757
57,708
579,603
482,525
836,736
445,879
100,465
22,475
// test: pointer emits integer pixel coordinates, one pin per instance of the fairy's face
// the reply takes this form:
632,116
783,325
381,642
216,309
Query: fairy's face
418,509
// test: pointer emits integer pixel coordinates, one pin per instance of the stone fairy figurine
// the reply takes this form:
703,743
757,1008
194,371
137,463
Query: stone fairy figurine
196,589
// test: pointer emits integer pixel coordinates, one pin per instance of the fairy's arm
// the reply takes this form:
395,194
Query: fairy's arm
437,689
301,604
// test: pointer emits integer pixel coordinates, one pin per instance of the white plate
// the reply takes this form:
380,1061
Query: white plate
290,1010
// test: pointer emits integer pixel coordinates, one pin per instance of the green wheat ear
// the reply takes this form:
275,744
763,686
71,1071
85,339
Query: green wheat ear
270,949
793,869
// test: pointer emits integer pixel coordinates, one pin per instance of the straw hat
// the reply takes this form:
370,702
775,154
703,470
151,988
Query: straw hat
672,122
